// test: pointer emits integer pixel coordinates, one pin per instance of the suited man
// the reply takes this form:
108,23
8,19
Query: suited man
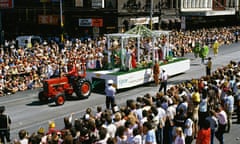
5,122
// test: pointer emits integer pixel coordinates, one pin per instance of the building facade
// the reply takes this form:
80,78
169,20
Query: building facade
91,18
209,13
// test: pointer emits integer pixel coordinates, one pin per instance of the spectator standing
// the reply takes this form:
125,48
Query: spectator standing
102,136
236,36
195,100
204,134
110,126
238,103
5,123
41,134
222,119
188,130
180,139
137,138
52,128
110,94
213,124
169,123
163,81
149,131
162,119
229,107
121,137
23,136
209,66
203,108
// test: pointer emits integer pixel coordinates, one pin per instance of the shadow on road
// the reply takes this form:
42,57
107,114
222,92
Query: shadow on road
195,64
36,103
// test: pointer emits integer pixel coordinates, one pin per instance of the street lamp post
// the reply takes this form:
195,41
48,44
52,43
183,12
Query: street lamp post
61,19
151,14
160,6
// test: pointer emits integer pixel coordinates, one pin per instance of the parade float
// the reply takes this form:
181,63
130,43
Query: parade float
140,71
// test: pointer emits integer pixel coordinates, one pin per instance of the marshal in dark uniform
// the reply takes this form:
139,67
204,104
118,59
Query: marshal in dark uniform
5,122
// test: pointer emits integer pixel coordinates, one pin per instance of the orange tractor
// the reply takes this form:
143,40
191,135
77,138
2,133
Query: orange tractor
59,88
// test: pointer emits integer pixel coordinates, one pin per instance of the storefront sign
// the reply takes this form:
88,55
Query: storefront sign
144,20
91,22
48,19
97,3
85,22
97,22
6,4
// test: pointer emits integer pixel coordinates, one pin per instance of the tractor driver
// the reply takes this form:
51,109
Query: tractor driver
72,72
75,70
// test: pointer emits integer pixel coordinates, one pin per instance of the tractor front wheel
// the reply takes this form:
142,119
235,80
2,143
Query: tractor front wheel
41,97
60,99
83,88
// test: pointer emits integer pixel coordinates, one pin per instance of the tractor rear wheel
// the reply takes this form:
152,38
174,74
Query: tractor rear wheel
60,99
41,97
83,88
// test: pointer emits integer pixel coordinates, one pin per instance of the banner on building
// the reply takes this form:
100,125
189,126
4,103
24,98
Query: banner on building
4,4
144,20
49,19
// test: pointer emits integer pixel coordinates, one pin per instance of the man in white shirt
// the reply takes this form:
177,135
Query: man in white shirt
229,107
110,94
163,81
162,119
111,127
188,130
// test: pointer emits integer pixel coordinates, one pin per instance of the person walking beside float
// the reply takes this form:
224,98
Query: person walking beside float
215,47
156,72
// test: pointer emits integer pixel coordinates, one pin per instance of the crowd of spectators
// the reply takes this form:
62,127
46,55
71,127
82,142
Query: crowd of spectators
23,68
178,116
195,109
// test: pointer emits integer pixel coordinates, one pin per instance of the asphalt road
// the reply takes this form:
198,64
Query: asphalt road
27,113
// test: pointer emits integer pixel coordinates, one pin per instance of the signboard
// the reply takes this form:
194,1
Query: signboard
91,22
78,3
97,22
6,4
97,3
48,19
139,77
144,20
85,22
45,1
